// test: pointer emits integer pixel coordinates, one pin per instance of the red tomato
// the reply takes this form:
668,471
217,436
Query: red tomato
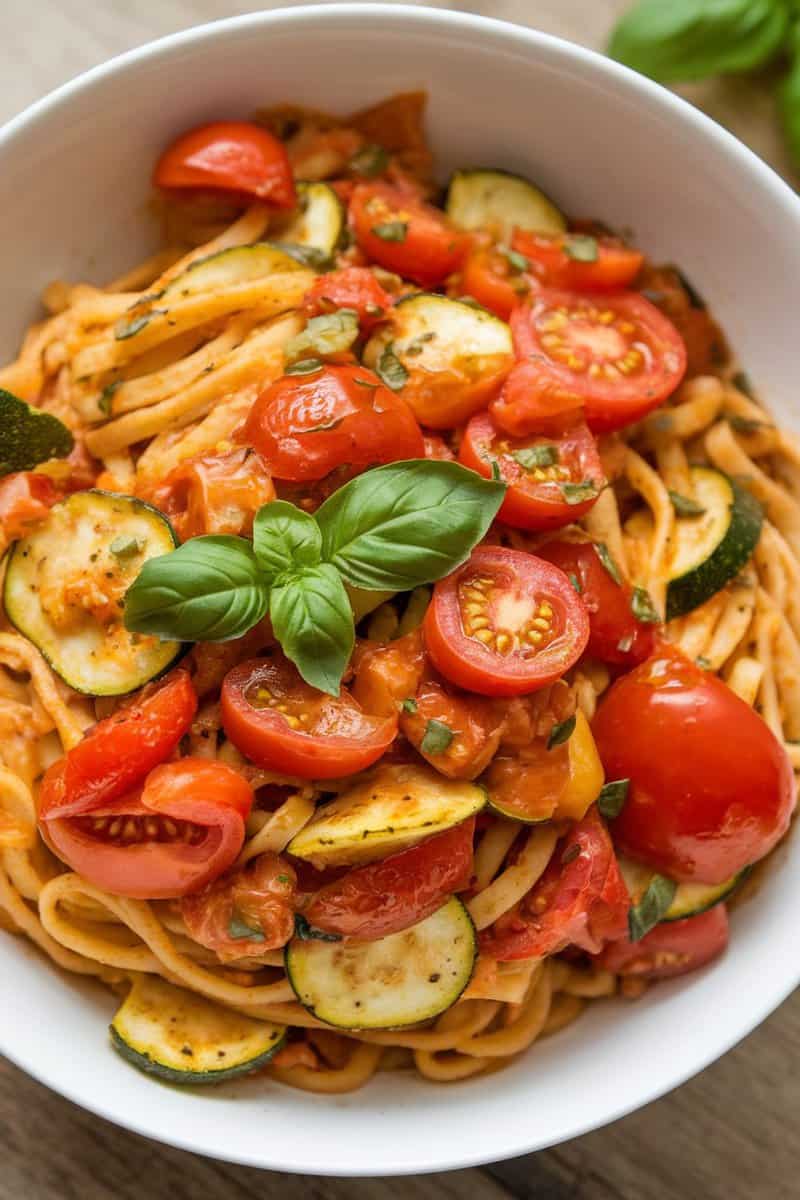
487,276
259,896
304,426
505,623
528,403
25,499
230,156
615,636
475,724
538,496
316,736
671,948
184,828
712,789
351,287
581,900
617,354
437,447
387,896
116,754
553,260
403,234
213,493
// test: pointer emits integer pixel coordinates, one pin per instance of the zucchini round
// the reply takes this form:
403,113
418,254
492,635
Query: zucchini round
689,900
65,584
318,225
183,1038
225,268
500,201
394,981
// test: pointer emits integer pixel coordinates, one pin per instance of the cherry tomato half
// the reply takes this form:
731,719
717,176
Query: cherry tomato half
671,948
488,277
304,426
230,156
316,736
530,403
404,234
116,754
615,636
505,623
25,499
617,354
578,262
387,896
581,900
712,789
351,287
551,481
184,828
259,895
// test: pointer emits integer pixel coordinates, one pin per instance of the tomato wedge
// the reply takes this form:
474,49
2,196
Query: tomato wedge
117,753
615,636
25,499
580,262
470,726
617,355
581,900
551,481
388,896
258,897
184,828
505,623
711,787
229,156
403,234
278,721
487,276
304,426
351,287
671,948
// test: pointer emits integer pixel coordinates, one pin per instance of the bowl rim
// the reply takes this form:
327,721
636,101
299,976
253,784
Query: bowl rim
512,36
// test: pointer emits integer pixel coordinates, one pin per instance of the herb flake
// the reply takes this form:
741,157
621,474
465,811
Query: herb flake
390,369
581,247
239,930
613,795
609,562
652,906
306,366
643,608
561,732
578,493
684,505
126,546
437,737
391,231
531,457
369,161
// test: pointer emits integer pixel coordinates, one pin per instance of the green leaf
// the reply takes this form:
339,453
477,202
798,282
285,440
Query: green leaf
369,161
531,457
208,590
126,546
127,328
741,379
239,929
518,262
309,933
652,907
285,537
391,231
306,366
576,493
746,424
409,705
613,795
684,505
29,436
391,370
576,583
680,40
436,738
609,562
329,333
582,247
309,256
561,732
407,523
643,608
106,396
313,621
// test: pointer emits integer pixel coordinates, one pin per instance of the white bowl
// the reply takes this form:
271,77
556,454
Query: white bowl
74,173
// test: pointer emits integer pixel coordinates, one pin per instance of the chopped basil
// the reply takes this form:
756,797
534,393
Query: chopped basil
703,663
239,930
391,370
684,505
746,424
309,933
306,366
128,329
651,907
417,345
285,880
570,854
369,161
576,493
518,262
437,737
624,644
744,383
409,705
561,732
104,403
496,472
126,546
607,559
643,608
308,256
329,333
391,231
612,798
581,246
531,457
576,583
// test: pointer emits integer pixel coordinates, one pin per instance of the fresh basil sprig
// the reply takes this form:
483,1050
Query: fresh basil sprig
390,529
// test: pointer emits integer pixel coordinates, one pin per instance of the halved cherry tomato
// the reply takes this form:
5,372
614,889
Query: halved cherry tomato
306,425
487,276
530,403
230,156
404,234
316,736
616,354
184,828
559,260
671,948
351,287
213,493
388,896
581,900
615,636
505,623
116,754
703,338
259,896
474,723
712,789
25,499
551,481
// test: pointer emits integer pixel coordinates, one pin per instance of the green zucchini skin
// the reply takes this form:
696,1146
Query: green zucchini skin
151,1066
693,899
489,197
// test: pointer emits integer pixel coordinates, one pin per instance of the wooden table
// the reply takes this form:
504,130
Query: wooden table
730,1134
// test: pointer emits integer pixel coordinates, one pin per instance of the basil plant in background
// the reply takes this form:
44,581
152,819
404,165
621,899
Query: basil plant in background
676,41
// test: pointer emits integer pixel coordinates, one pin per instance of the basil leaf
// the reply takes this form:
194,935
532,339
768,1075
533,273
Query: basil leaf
306,366
309,256
643,608
313,621
329,333
561,732
613,795
531,457
391,231
581,247
127,329
436,738
703,663
391,370
407,523
29,436
208,590
746,424
369,161
518,262
682,40
285,537
576,493
684,505
576,583
239,929
106,396
309,933
409,705
126,546
608,561
652,906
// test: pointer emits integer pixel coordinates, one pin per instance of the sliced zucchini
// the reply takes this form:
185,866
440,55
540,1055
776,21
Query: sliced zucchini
318,225
690,899
239,264
499,201
65,584
184,1038
391,808
397,980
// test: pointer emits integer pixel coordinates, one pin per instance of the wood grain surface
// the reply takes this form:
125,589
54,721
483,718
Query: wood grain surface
730,1134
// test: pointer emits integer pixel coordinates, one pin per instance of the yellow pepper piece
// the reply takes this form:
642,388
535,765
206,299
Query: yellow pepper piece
586,775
